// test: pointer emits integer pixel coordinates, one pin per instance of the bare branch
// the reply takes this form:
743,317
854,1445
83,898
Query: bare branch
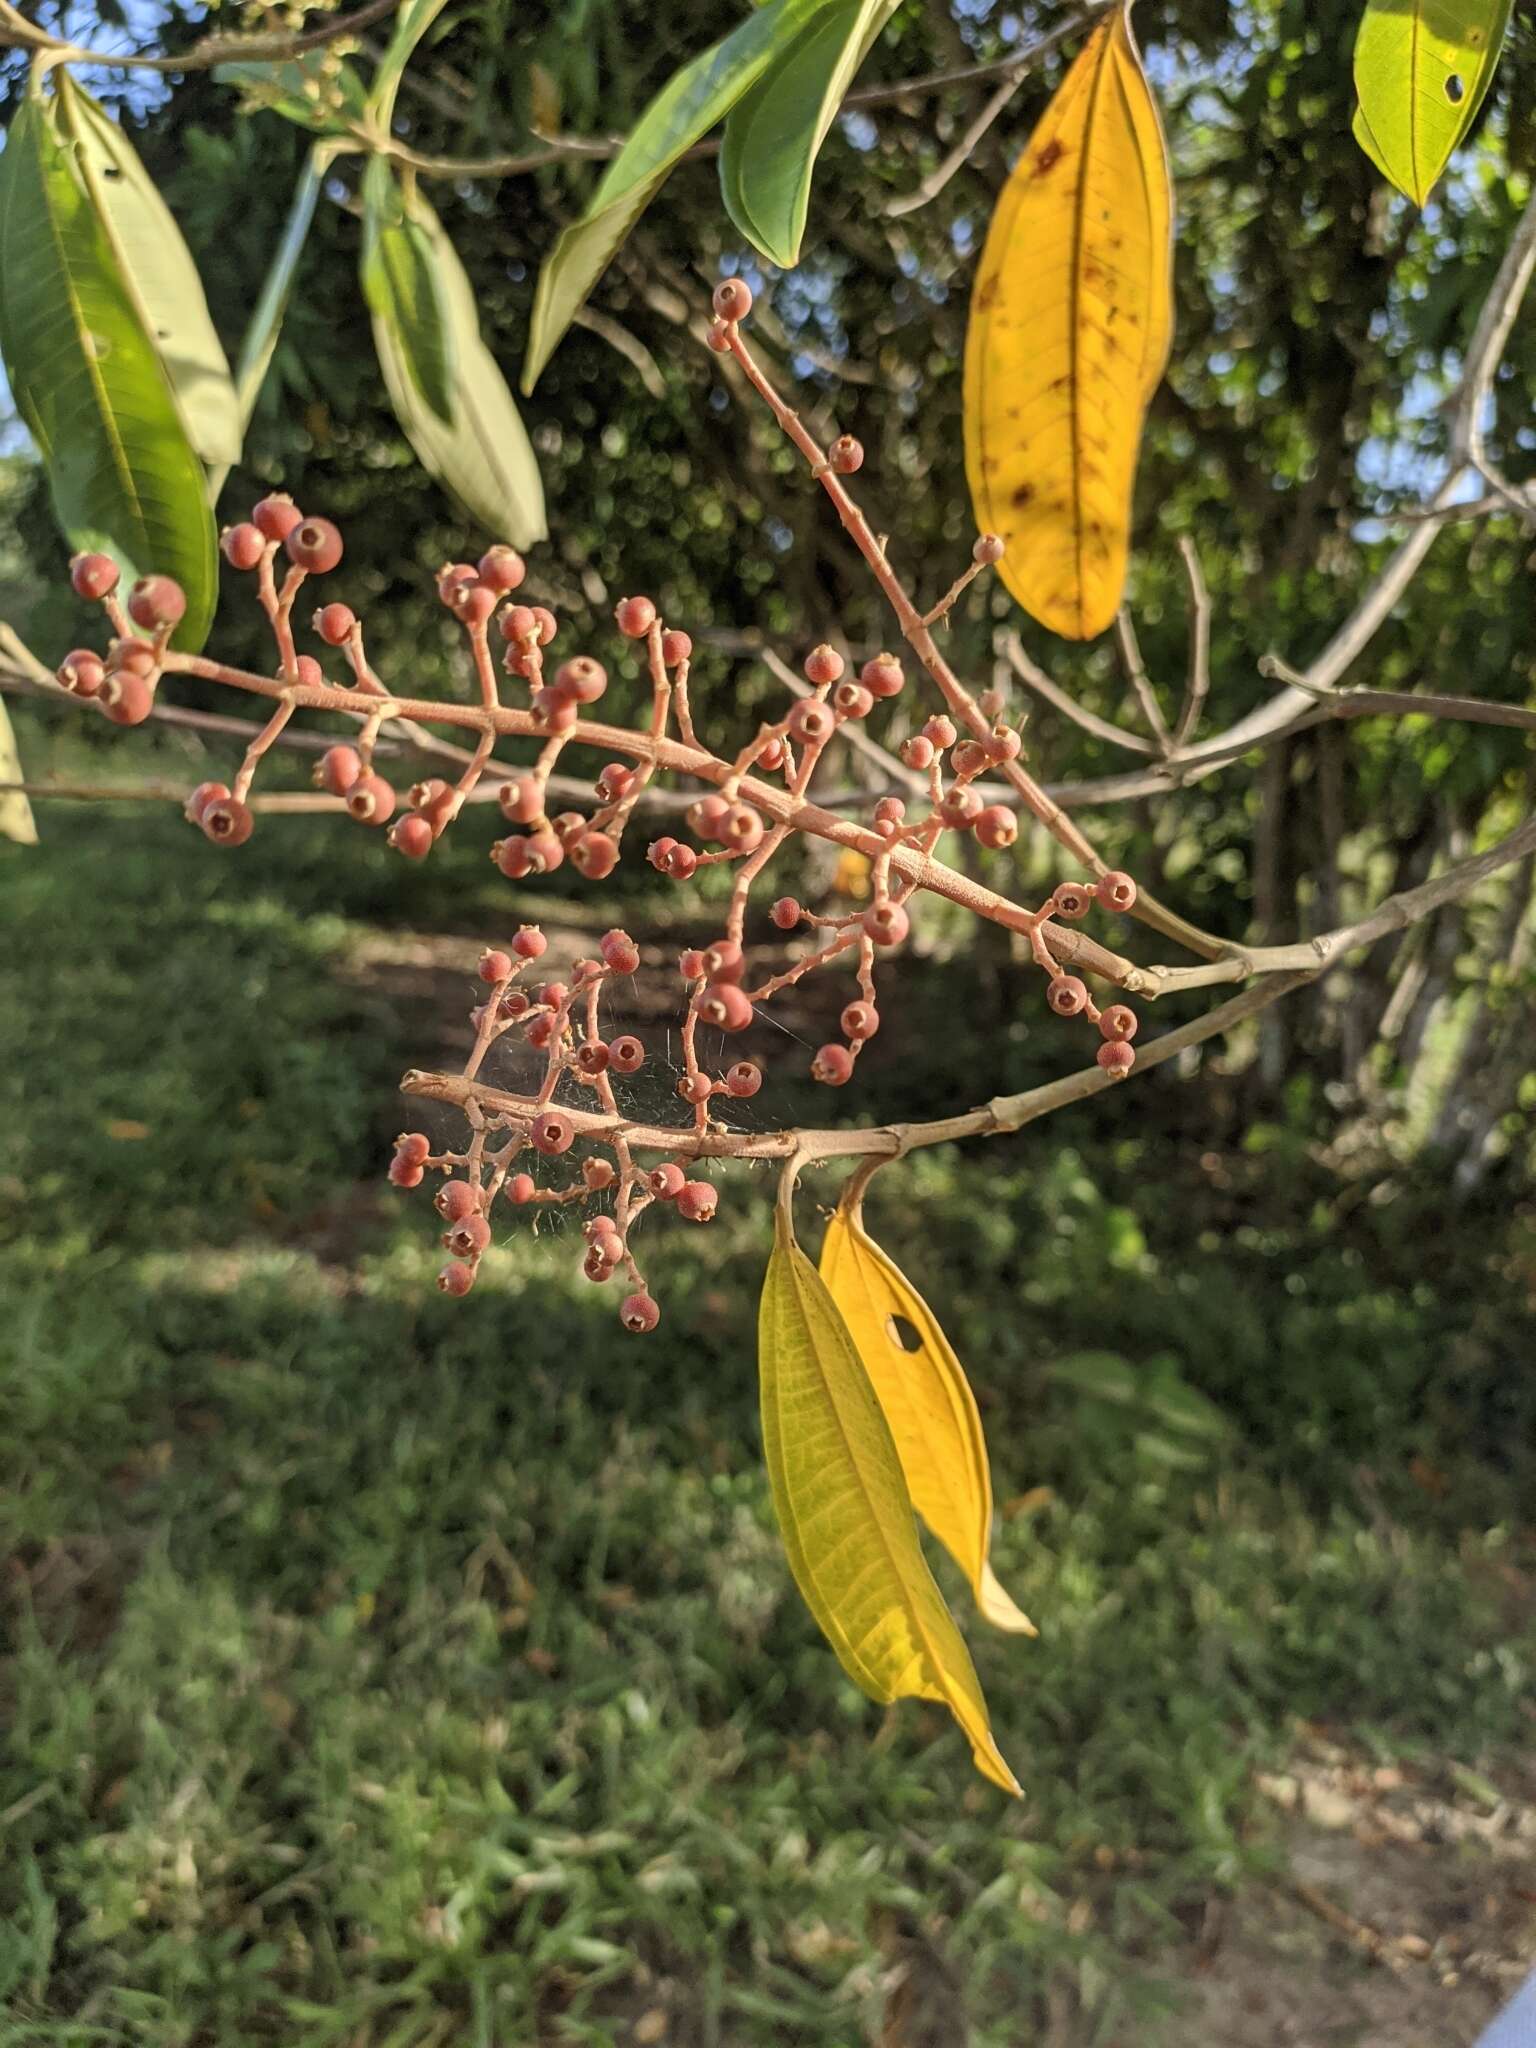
1038,681
16,32
1136,675
1199,682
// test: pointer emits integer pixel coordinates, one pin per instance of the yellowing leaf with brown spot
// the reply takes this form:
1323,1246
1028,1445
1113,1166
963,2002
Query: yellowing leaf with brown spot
1070,327
844,1511
927,1401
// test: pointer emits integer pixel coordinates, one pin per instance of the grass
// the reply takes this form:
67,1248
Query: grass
388,1672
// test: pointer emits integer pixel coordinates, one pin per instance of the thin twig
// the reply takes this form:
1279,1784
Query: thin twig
1198,684
16,32
1136,675
1038,681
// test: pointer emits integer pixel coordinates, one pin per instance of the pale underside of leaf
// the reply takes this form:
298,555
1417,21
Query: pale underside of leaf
16,819
483,458
315,90
88,381
844,1511
1069,334
400,283
1422,70
928,1403
157,268
774,134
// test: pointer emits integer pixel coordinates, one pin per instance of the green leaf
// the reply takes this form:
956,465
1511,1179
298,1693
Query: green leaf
411,25
16,820
88,381
260,342
399,277
157,268
482,456
844,1510
774,133
317,90
1422,70
685,109
1100,1375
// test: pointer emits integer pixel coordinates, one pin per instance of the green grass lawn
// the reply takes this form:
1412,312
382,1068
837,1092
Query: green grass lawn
383,1670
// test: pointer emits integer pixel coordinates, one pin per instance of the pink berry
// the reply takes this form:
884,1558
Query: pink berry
371,800
882,676
675,648
1116,1057
988,549
996,827
697,1201
552,1132
615,782
155,602
1004,745
494,966
1116,890
659,852
639,1314
511,856
404,1174
455,1200
681,863
243,545
823,664
82,673
334,623
1119,1022
125,697
833,1066
133,655
887,924
455,1280
338,769
93,576
206,793
1067,995
276,516
501,568
812,722
592,1058
469,1237
521,801
969,758
619,952
412,836
918,752
594,855
890,810
771,755
529,943
939,731
1071,900
846,455
723,961
634,617
542,1033
742,830
785,913
626,1055
860,1020
724,1005
852,700
600,1259
666,1182
227,821
521,1189
719,337
962,807
545,853
583,679
414,1147
308,672
733,300
743,1079
554,710
315,545
695,1088
690,963
707,814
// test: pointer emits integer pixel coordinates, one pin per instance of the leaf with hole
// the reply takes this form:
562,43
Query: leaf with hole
844,1511
684,111
927,1401
1422,70
1071,321
89,381
481,455
774,134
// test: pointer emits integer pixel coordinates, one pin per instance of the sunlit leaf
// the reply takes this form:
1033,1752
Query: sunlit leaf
259,343
927,1401
157,268
482,456
411,24
844,1511
774,134
87,378
1422,70
316,89
1069,333
16,820
400,283
685,109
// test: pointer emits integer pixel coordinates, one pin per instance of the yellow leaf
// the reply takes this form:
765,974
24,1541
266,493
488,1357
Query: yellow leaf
927,1401
15,810
844,1512
1069,334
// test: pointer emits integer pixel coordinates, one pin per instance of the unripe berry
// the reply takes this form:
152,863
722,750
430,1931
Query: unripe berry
681,863
337,769
456,1280
334,623
771,755
1071,900
659,852
690,963
887,924
414,1147
615,782
846,455
455,1200
707,814
521,801
882,675
1004,745
823,664
860,1020
639,1314
554,709
785,913
529,943
403,1174
511,857
724,1005
93,576
812,722
969,758
598,1174
1067,995
833,1066
695,1088
1116,1057
743,1079
412,836
126,698
501,568
553,993
468,1238
988,549
308,672
157,601
890,810
634,617
243,545
619,951
82,673
1116,890
598,1264
852,700
666,1182
697,1201
675,647
494,966
521,1189
542,1033
552,1132
917,751
723,960
594,855
206,793
742,830
314,545
371,800
733,299
276,516
227,821
940,732
583,679
592,1058
545,853
626,1055
962,807
997,827
133,655
1119,1022
434,799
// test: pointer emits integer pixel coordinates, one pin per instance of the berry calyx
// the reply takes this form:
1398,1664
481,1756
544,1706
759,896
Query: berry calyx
639,1314
846,455
626,1055
1116,890
1067,995
227,821
552,1132
887,924
1116,1058
1119,1023
156,602
93,576
371,800
697,1201
732,300
315,545
833,1066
